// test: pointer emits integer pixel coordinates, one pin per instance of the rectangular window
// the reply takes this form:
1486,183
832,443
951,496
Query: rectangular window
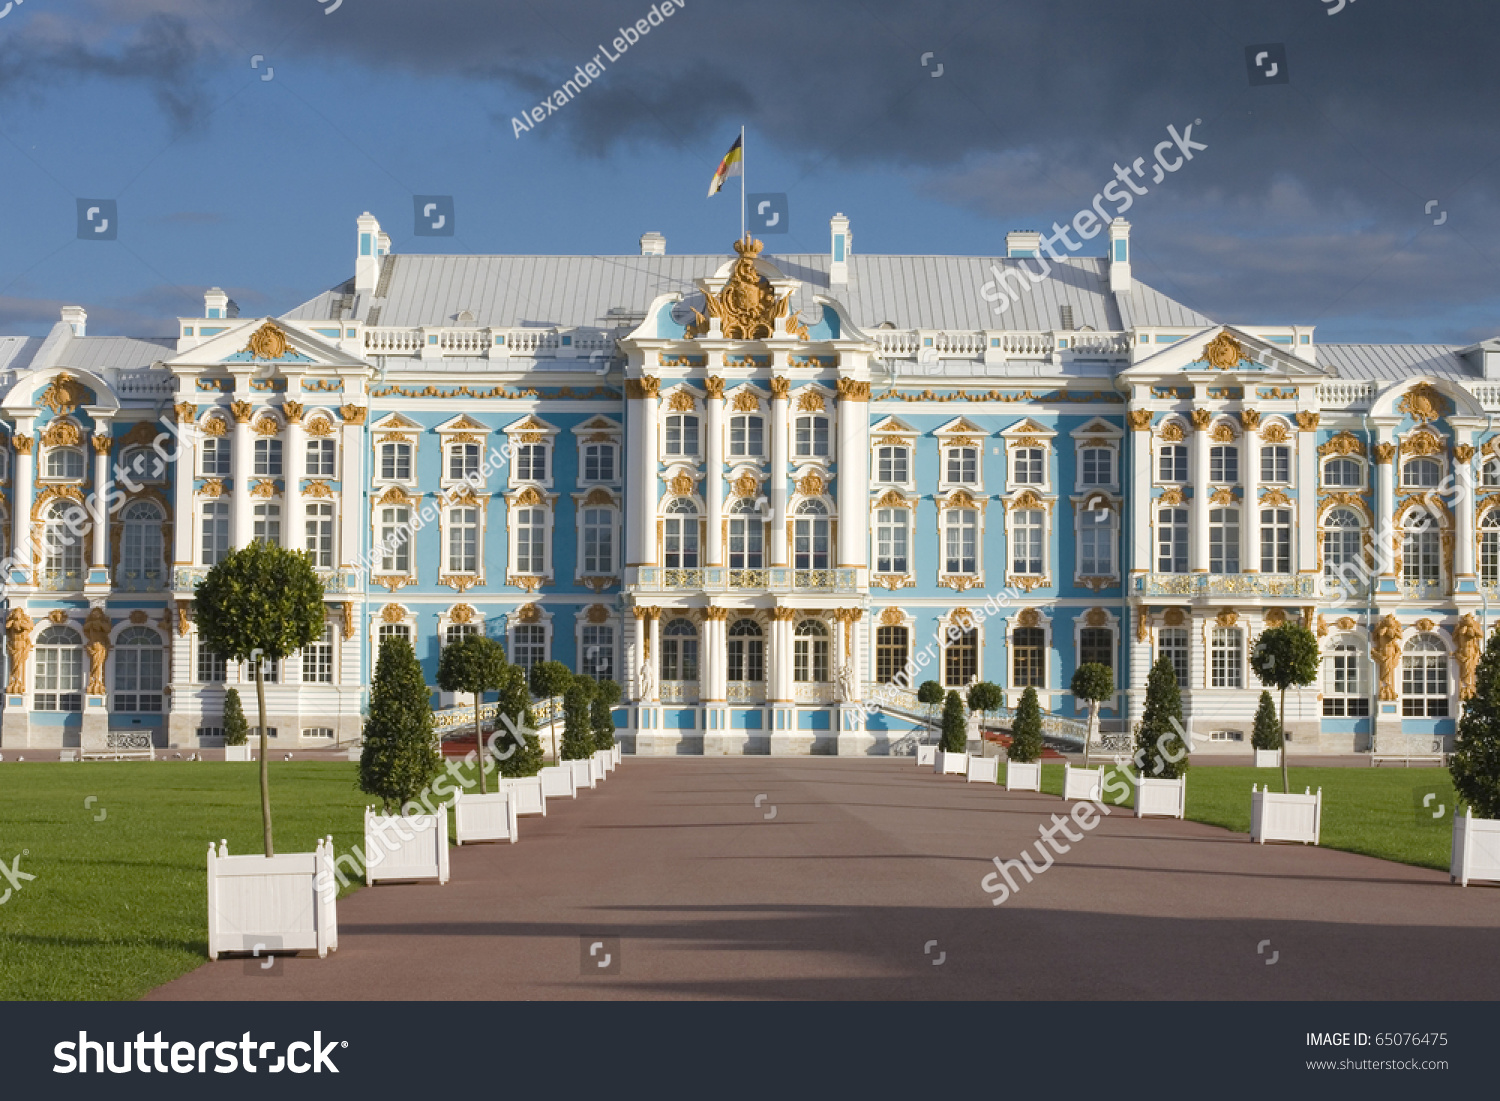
393,630
531,537
961,540
962,465
321,458
598,652
598,540
317,659
747,437
1028,466
1226,658
599,462
1028,665
892,465
1172,540
961,659
268,458
318,532
1172,643
463,460
1027,533
1275,464
890,653
1223,464
1276,540
267,524
531,462
270,671
1343,692
395,535
682,434
890,541
1098,466
1224,540
215,532
1096,542
1097,644
215,451
529,643
210,666
1420,561
463,540
810,437
395,462
1172,463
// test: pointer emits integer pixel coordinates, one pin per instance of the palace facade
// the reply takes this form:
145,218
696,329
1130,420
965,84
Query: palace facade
768,494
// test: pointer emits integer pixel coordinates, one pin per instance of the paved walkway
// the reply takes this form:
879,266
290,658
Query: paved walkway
839,894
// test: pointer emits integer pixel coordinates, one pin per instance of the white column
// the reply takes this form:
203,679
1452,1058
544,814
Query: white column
781,656
101,442
244,463
713,484
1198,509
653,654
1141,557
21,521
640,428
779,429
1385,497
713,675
184,448
1250,512
853,474
1463,558
292,466
1307,497
352,508
854,656
638,629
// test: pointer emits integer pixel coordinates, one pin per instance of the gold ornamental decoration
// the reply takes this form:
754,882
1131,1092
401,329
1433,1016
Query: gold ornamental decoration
212,487
1222,433
891,499
1250,418
184,411
746,306
781,387
242,411
681,485
1174,617
18,626
1028,618
1274,497
597,613
810,401
1275,617
853,390
681,401
1172,496
317,488
1201,419
1463,452
1387,648
1171,432
63,394
811,485
215,426
461,613
1384,453
746,401
1227,618
713,386
268,342
23,444
1096,617
795,327
1345,443
1422,443
292,410
892,617
354,414
1346,623
646,386
1307,420
96,630
1275,432
1468,640
61,434
1223,352
1423,403
266,425
102,444
746,485
1142,625
392,613
1140,419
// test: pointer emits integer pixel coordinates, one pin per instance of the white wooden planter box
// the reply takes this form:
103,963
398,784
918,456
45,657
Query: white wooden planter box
616,752
1083,783
258,904
606,758
1021,776
945,763
1282,816
583,773
354,754
483,818
1161,798
528,793
558,782
406,846
926,755
596,769
1476,850
238,752
1268,758
984,770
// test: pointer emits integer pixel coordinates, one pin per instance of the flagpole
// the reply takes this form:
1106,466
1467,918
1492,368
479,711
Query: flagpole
743,233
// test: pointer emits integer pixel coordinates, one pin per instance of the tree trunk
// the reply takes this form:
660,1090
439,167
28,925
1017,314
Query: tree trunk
479,740
1285,785
1088,738
265,776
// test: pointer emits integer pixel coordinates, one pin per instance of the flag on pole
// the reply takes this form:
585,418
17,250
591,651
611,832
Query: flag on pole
733,164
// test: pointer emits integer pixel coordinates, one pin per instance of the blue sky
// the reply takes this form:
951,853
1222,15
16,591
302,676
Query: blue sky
1308,206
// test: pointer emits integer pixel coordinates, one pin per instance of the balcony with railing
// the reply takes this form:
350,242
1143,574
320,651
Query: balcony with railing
721,579
1299,586
931,350
187,578
468,341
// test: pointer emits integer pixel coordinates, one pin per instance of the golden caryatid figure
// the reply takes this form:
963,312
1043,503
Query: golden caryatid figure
746,306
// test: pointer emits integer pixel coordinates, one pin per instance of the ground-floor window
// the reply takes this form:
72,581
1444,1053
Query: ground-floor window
1424,679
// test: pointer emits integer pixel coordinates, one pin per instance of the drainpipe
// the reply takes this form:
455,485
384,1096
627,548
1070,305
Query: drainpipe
1370,591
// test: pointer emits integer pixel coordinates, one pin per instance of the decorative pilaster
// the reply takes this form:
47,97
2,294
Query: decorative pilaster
853,472
1307,492
1385,498
244,464
1463,505
641,429
292,466
21,546
1250,511
1198,507
780,394
713,679
185,462
1141,558
781,654
99,556
713,485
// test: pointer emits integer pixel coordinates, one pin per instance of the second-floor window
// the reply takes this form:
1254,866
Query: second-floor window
321,458
395,540
1027,542
1098,466
1223,464
1171,540
747,436
598,462
680,536
1224,540
960,540
598,540
463,460
682,434
1028,466
1276,540
892,464
268,458
810,437
395,462
890,540
531,462
318,533
962,465
1172,463
1276,464
746,536
215,456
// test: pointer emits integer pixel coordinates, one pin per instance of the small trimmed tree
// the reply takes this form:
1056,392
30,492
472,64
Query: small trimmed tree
955,726
473,664
236,729
578,734
1093,682
1475,763
260,604
985,697
1161,749
1285,657
1026,730
548,680
602,713
1267,731
526,758
400,756
930,692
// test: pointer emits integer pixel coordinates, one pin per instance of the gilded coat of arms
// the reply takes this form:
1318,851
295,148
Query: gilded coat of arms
746,306
268,342
1223,352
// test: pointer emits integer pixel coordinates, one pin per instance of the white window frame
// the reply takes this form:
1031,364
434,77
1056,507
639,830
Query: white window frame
547,506
1231,671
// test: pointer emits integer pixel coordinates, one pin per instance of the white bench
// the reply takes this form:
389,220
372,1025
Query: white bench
1406,759
148,754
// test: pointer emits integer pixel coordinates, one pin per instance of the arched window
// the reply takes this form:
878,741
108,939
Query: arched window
1421,549
1489,547
810,437
64,464
59,670
1421,473
215,531
63,533
138,670
1342,544
810,536
892,645
681,434
1343,681
1345,473
810,652
747,535
318,530
1424,678
747,651
267,523
680,535
679,651
141,562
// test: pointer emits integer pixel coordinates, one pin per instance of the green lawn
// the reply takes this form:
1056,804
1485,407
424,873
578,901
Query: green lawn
1365,810
120,906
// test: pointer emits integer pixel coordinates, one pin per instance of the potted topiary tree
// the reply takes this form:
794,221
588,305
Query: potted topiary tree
399,761
549,680
522,759
236,729
1023,769
984,697
1161,748
1265,738
1475,768
602,719
473,664
952,755
1285,657
1093,682
578,734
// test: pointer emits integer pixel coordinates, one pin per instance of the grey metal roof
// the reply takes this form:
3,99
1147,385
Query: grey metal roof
16,352
103,353
1395,361
909,292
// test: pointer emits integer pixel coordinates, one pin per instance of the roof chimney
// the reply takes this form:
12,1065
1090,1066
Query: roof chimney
1023,242
76,318
367,261
653,244
1119,256
217,304
842,245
